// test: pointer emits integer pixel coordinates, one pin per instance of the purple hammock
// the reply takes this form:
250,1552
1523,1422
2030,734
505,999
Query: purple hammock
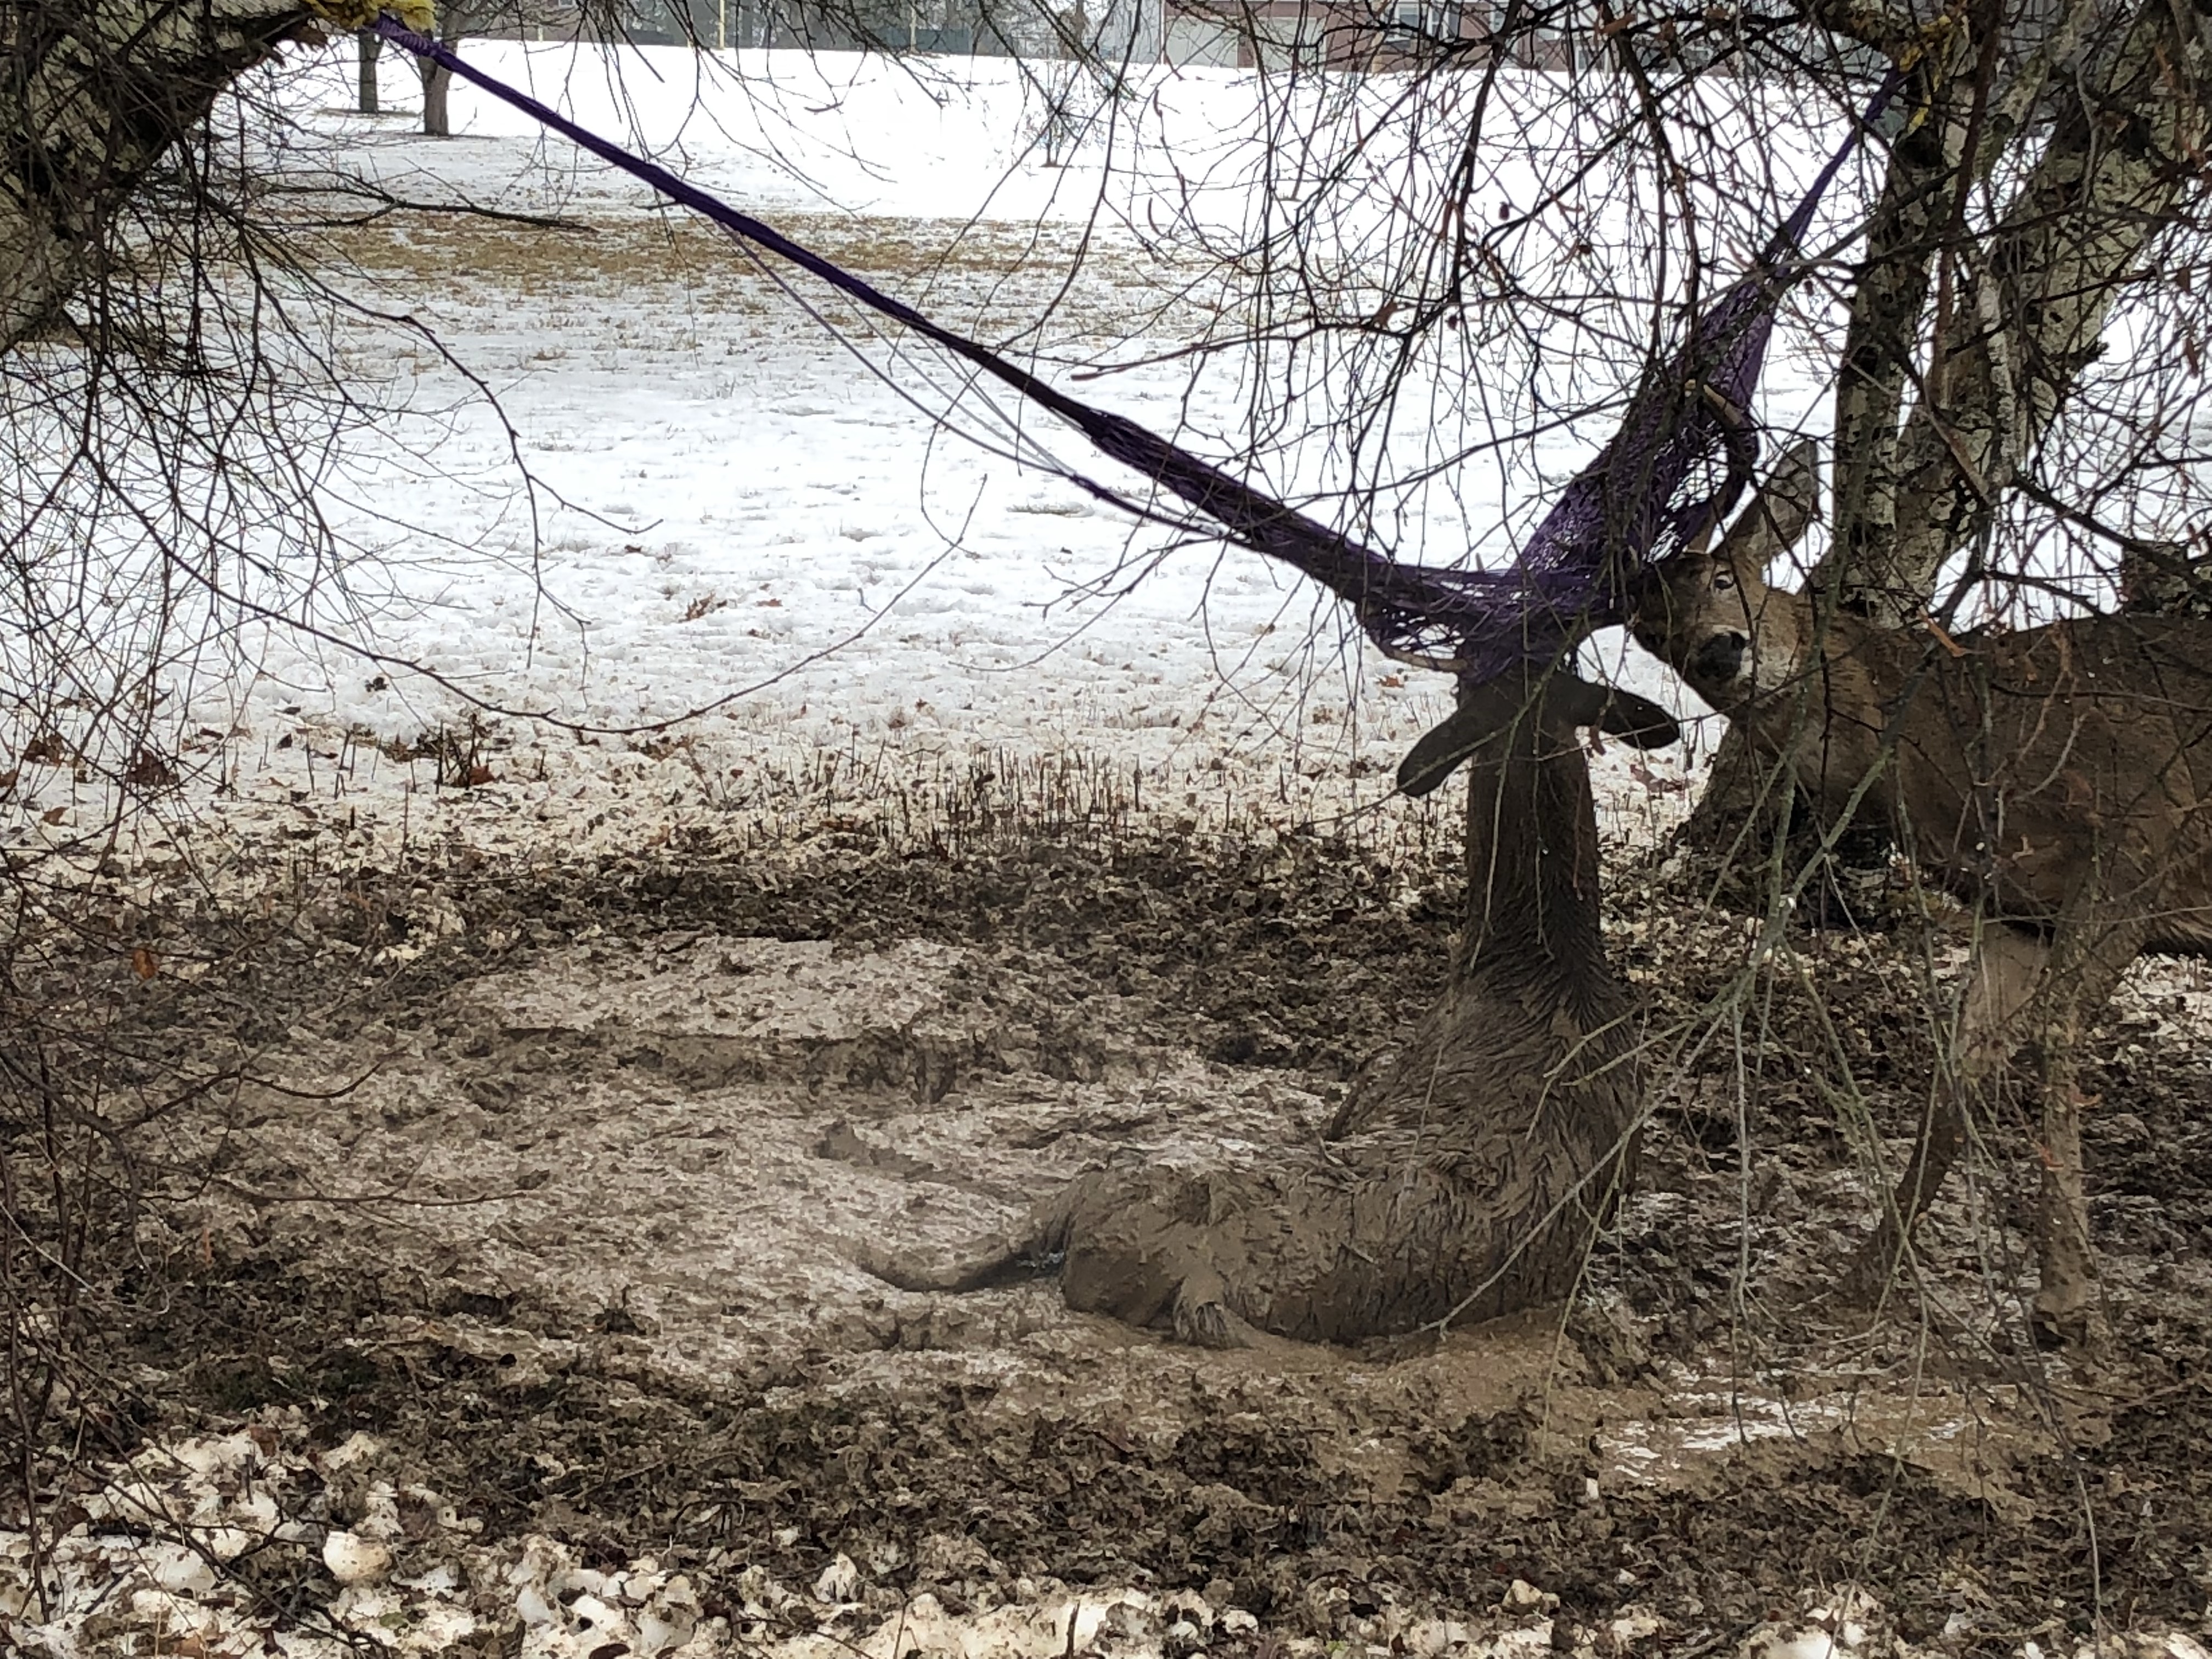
1686,448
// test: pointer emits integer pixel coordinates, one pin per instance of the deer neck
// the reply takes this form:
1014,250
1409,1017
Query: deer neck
1533,870
1820,708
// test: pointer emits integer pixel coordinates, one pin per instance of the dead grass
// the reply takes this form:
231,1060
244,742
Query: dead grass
536,262
985,278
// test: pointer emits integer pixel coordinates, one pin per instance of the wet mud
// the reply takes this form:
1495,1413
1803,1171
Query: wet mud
567,1212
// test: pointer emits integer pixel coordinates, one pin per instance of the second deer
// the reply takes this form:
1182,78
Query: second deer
2055,778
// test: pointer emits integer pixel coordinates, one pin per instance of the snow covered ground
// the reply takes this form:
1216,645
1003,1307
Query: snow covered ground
738,550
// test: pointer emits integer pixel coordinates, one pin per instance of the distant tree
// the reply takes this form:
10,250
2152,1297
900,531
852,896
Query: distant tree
370,46
456,23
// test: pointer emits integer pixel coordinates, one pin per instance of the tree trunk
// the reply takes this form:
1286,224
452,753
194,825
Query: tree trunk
1468,1182
92,93
2018,311
1888,297
437,82
371,44
2032,303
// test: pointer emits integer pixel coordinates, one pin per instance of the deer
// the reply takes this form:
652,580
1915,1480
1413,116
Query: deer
2053,778
1465,1182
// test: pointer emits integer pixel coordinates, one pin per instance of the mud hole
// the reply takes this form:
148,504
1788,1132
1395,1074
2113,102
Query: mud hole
547,1221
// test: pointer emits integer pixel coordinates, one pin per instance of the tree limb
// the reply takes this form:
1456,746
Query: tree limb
92,93
1891,30
1888,299
2127,143
2024,88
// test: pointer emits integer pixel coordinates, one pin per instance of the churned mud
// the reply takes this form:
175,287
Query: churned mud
503,1297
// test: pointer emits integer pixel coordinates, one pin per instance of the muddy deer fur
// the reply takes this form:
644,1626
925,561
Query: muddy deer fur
2053,779
1467,1181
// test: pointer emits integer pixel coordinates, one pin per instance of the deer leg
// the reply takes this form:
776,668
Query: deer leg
1942,1135
2066,1298
2090,955
2003,976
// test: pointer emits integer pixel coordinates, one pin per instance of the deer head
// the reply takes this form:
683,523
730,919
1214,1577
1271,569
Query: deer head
1711,616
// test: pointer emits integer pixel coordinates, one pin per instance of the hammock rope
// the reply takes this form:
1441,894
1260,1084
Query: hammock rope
1685,450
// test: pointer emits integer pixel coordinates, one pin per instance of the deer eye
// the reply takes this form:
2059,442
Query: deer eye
1723,580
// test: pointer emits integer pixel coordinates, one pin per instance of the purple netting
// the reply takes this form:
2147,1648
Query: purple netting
1685,450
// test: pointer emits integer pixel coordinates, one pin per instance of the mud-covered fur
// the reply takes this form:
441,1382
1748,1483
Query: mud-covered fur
1468,1180
2054,778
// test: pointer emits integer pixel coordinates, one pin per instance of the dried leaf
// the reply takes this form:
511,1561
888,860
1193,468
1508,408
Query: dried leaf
149,770
144,962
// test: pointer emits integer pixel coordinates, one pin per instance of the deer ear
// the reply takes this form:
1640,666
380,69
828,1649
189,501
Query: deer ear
1573,699
1442,749
1485,711
1792,493
1618,713
1638,722
1785,505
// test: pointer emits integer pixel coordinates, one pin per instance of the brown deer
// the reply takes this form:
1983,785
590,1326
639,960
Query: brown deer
2053,778
1465,1182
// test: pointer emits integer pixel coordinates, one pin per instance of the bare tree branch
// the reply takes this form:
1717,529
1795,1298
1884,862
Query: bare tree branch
1890,30
94,93
2125,147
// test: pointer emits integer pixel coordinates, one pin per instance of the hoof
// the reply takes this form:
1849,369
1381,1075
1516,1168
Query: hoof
1200,1316
1416,1344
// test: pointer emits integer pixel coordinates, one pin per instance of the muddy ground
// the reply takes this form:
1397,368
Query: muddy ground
545,1177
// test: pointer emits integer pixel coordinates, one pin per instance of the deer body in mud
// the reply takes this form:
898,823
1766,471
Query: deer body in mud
1465,1180
2056,779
